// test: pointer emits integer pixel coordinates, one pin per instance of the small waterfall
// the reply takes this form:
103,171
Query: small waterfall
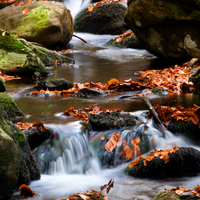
68,152
75,6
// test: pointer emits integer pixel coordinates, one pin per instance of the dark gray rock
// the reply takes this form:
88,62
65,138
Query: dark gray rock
58,84
110,120
106,18
184,162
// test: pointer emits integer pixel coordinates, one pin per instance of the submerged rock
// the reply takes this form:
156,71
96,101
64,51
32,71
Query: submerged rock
166,195
48,23
17,165
88,92
110,120
58,84
166,28
184,162
106,18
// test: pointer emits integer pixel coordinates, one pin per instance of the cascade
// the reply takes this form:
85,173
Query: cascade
71,151
68,152
76,6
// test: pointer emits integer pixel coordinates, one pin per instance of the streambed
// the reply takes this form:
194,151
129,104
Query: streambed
98,63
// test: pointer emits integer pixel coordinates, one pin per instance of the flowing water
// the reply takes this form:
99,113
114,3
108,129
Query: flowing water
77,168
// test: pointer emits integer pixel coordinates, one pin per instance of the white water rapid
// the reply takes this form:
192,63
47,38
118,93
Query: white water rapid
75,6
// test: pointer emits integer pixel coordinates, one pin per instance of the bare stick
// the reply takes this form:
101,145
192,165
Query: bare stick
153,113
80,38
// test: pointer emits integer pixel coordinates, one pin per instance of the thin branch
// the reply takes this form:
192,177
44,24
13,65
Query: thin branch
80,38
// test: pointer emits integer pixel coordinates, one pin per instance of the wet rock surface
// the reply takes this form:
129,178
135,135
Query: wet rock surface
110,120
184,162
104,19
47,23
58,84
153,22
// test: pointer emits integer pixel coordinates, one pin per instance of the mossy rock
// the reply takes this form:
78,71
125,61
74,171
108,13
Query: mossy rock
184,162
9,165
166,195
110,120
17,165
47,23
19,57
106,18
8,104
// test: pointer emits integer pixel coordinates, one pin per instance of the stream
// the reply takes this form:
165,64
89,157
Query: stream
97,63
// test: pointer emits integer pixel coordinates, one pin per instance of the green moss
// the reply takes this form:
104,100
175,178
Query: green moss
10,43
166,195
36,20
178,9
8,104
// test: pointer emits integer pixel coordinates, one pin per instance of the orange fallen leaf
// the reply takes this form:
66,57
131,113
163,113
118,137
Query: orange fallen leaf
90,8
113,81
112,142
25,10
119,40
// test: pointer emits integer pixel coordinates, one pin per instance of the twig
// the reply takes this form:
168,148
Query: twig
153,113
80,38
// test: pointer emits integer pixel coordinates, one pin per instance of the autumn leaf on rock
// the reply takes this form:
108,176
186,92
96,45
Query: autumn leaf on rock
28,125
25,191
112,142
135,162
90,8
25,10
162,153
178,190
178,113
127,152
113,81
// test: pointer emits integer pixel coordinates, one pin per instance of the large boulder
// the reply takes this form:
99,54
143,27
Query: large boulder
19,57
17,165
166,28
48,23
105,18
